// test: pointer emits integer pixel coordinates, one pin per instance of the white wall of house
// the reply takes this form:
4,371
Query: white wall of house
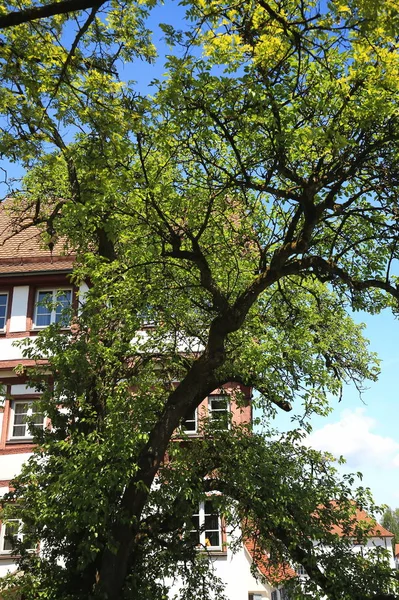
235,571
10,351
11,465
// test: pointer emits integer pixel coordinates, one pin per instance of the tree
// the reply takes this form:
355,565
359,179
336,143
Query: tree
390,520
242,208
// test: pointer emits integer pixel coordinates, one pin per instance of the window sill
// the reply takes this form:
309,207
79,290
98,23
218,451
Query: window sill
221,553
19,441
7,554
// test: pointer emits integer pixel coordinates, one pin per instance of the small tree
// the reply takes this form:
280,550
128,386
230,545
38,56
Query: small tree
390,520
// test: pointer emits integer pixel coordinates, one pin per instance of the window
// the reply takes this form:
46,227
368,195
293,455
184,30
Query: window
23,418
3,310
258,596
300,570
190,423
11,532
206,526
51,307
275,595
219,411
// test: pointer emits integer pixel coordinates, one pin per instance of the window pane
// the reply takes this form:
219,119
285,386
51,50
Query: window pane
20,416
190,423
43,310
10,535
3,310
219,403
219,411
19,431
63,302
23,413
212,538
20,419
211,522
38,419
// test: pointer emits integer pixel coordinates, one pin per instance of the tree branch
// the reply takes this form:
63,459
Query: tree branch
48,10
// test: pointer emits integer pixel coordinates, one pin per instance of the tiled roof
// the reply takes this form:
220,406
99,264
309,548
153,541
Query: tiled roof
275,574
376,530
23,251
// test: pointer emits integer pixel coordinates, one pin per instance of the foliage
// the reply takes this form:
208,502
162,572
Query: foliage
241,210
390,520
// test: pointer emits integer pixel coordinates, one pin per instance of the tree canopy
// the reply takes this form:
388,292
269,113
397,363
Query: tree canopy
241,209
390,520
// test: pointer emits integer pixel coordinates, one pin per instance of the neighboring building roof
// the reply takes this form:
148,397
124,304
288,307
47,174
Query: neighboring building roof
376,530
275,574
23,251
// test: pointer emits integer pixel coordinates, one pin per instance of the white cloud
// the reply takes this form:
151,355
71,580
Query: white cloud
352,437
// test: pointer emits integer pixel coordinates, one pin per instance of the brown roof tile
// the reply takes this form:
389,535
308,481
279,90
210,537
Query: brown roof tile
274,574
23,251
360,516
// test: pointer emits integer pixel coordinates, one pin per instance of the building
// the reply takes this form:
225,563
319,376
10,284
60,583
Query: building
30,273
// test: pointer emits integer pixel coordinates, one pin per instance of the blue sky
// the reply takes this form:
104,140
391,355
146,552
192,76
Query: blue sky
365,430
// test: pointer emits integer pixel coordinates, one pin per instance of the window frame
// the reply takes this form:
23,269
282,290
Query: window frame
19,535
301,571
55,291
195,421
212,411
7,295
201,531
27,436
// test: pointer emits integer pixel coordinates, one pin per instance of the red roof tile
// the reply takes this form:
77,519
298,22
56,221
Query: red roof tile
23,251
376,529
273,574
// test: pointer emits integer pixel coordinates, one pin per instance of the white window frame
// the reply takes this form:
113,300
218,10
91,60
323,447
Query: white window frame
203,541
212,411
29,413
56,291
300,570
2,329
195,420
19,535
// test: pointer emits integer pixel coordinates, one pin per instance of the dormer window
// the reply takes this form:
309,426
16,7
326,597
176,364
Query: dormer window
52,306
3,310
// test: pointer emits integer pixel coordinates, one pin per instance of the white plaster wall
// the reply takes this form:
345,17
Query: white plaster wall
8,351
234,571
11,464
20,388
19,308
7,565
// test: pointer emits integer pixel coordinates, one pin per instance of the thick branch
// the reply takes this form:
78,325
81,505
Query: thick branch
47,10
